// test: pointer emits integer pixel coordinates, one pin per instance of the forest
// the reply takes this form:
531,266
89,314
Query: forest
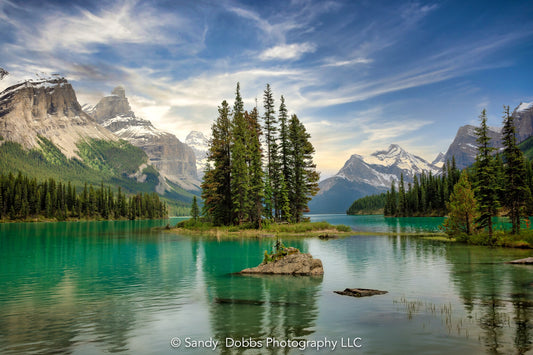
25,198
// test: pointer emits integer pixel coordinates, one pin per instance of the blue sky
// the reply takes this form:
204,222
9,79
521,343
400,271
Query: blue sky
359,74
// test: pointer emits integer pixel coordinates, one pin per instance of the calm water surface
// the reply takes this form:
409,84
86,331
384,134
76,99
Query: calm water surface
122,287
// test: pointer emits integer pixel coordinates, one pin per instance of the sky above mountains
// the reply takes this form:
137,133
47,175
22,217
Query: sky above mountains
359,74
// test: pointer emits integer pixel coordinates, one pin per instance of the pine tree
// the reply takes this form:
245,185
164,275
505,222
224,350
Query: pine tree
255,168
272,167
485,188
284,143
402,200
304,177
216,186
239,152
516,192
195,212
393,204
462,208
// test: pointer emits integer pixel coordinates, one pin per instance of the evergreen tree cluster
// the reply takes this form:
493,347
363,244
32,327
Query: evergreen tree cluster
245,182
22,197
426,196
497,184
368,204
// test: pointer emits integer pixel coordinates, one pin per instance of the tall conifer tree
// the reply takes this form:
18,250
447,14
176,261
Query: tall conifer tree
304,177
240,184
485,188
516,191
216,186
255,167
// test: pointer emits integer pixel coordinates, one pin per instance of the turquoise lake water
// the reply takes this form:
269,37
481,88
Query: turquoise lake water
122,287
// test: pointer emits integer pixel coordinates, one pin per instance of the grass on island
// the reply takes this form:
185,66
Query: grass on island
500,238
307,229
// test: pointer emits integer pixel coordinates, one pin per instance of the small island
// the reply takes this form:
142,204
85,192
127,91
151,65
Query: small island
322,230
287,261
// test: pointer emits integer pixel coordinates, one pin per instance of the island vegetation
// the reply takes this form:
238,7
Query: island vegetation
498,184
259,176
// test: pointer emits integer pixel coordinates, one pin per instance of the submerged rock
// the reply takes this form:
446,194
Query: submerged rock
360,292
526,261
293,264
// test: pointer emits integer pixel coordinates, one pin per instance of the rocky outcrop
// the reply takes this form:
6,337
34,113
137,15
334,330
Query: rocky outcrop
526,261
3,73
523,115
360,292
112,106
47,108
464,146
292,264
174,160
200,145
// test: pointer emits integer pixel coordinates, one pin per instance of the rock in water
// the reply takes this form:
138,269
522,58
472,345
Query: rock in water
526,261
360,292
292,264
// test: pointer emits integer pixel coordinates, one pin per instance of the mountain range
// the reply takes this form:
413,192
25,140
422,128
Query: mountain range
175,161
44,132
361,176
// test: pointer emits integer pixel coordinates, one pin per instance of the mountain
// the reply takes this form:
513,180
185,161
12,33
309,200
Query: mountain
174,160
523,115
361,176
439,161
464,146
45,134
47,108
200,145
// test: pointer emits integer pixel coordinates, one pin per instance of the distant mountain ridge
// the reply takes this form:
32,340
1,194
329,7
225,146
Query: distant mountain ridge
174,160
47,108
45,133
361,176
200,145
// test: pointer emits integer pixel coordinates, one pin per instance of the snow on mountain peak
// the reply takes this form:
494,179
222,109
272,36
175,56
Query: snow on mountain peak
524,106
396,156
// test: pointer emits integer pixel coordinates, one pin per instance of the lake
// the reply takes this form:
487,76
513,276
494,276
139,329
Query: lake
122,287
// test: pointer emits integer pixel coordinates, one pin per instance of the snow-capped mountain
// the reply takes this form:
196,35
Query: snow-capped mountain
439,161
174,160
200,145
365,175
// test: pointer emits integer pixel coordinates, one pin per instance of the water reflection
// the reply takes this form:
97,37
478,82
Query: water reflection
253,308
497,295
71,285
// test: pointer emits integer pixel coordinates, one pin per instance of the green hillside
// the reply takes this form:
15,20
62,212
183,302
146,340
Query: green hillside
527,147
102,161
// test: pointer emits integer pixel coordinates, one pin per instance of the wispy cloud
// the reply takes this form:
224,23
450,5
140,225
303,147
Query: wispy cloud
288,51
330,62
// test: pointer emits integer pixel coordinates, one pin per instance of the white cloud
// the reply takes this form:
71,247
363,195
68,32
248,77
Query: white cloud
288,51
341,63
126,22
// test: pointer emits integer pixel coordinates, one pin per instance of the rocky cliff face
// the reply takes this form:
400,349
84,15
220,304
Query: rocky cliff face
361,176
47,108
200,145
523,115
174,159
464,146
